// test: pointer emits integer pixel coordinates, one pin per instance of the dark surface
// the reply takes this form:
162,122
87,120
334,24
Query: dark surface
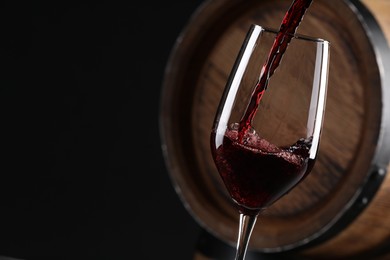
82,174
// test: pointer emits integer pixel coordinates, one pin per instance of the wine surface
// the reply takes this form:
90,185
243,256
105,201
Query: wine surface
255,172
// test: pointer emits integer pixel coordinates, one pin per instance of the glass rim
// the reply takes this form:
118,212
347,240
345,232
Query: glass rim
295,35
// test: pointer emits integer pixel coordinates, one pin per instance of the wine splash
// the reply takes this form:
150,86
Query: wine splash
245,169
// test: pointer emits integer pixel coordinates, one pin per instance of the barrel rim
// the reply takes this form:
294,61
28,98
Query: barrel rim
162,116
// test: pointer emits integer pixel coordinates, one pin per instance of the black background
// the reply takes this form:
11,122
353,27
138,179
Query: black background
82,175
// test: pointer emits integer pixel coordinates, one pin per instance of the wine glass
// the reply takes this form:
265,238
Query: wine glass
266,133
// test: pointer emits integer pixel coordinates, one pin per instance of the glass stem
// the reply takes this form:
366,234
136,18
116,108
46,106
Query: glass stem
247,223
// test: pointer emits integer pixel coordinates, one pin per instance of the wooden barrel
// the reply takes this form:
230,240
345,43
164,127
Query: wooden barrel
342,209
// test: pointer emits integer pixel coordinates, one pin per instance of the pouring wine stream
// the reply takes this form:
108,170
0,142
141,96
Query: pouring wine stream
287,29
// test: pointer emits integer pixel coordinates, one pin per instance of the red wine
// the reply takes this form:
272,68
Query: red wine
286,31
255,172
